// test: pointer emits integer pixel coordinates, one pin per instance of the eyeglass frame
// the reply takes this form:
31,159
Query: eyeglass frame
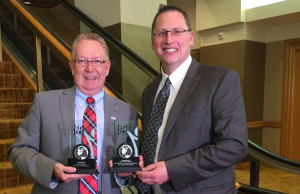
174,32
93,62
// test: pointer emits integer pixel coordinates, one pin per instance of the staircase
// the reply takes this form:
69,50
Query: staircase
15,101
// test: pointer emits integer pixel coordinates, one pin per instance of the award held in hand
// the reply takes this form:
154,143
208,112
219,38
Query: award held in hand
81,156
126,147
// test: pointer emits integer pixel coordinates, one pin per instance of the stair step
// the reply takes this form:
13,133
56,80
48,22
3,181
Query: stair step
11,81
10,177
5,145
9,128
14,110
24,189
15,101
16,94
6,67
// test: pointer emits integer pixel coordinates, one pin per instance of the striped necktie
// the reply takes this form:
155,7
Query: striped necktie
89,184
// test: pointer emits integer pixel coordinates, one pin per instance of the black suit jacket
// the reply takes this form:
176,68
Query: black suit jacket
206,131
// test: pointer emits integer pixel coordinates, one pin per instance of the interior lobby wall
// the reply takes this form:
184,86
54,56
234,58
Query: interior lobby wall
248,59
273,94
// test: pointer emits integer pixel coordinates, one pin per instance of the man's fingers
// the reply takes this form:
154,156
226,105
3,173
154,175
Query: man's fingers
69,169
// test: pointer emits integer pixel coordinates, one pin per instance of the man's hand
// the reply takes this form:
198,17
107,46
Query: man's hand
141,164
155,173
61,171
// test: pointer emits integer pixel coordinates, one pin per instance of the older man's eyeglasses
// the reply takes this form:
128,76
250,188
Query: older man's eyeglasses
174,32
95,63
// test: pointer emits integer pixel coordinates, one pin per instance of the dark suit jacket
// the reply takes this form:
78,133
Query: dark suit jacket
206,131
43,139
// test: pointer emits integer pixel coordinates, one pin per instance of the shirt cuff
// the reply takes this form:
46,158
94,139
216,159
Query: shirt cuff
122,181
53,183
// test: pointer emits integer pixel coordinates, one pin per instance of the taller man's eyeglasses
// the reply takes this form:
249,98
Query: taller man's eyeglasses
174,32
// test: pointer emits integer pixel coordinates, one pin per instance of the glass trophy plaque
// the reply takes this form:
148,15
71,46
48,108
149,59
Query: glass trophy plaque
81,156
126,138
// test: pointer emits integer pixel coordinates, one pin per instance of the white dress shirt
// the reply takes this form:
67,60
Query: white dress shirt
176,79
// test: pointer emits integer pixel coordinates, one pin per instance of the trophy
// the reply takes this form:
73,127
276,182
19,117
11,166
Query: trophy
126,147
81,156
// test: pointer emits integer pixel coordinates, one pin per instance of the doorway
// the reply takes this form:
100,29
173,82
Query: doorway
290,137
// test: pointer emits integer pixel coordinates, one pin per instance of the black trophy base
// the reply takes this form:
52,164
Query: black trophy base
125,165
87,166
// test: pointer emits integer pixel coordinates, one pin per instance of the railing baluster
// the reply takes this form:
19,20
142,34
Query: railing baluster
39,67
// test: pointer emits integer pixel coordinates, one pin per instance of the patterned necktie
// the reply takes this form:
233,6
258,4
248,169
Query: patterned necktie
89,184
151,133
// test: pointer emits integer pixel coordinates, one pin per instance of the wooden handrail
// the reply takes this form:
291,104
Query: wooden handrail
41,28
48,35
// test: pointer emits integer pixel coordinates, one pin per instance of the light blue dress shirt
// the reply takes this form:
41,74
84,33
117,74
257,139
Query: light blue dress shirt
80,106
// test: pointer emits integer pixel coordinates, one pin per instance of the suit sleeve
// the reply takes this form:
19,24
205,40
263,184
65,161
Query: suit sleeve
25,153
227,142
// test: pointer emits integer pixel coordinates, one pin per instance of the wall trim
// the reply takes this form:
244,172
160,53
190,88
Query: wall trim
261,124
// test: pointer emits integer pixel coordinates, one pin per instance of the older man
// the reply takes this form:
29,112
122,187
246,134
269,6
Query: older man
42,146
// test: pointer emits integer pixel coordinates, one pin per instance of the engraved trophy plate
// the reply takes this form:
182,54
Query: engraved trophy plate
126,147
80,154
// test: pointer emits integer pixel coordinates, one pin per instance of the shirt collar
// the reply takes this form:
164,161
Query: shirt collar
81,98
177,76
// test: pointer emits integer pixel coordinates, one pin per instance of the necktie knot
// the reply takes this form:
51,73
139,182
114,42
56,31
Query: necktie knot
167,83
164,92
90,100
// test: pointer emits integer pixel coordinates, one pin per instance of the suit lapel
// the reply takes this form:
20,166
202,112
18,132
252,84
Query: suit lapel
67,109
190,81
110,115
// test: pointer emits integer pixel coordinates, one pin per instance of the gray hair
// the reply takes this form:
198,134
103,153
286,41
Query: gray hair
89,36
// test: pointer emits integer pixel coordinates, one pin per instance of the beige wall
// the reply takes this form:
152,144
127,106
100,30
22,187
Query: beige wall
273,94
139,12
67,29
260,66
104,12
107,12
137,38
248,59
215,13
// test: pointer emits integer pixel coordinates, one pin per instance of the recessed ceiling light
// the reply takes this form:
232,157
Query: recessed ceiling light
27,2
